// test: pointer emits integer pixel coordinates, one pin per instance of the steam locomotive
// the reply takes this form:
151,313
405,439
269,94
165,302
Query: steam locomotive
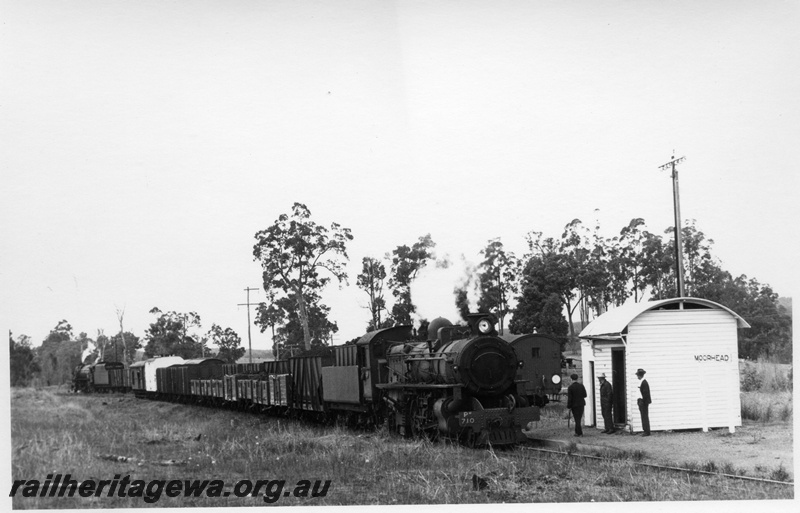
464,382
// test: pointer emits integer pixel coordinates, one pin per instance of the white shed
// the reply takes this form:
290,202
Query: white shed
687,345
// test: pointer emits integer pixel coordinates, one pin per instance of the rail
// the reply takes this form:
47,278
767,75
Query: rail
660,467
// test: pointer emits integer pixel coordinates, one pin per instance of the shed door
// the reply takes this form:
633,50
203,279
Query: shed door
618,382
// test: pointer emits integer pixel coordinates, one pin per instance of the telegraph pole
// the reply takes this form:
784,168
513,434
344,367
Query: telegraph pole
248,304
676,201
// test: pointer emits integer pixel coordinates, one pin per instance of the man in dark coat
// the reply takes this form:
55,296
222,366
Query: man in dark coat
576,399
644,402
606,398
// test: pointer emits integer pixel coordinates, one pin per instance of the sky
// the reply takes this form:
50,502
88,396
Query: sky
144,143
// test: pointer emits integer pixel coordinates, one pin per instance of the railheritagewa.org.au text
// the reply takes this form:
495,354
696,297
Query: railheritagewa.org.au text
271,490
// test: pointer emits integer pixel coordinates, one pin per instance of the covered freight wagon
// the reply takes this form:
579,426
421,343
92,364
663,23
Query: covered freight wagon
143,374
689,350
179,377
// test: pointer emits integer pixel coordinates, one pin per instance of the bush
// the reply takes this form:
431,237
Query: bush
774,377
750,379
765,376
780,474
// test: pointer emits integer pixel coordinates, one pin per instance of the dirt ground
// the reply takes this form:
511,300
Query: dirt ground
757,448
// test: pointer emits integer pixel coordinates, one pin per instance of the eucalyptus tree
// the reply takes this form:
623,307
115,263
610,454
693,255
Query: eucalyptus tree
128,344
289,335
659,257
294,251
371,280
268,315
406,263
697,254
228,341
59,354
657,267
168,335
770,332
537,310
117,348
575,268
497,279
599,273
631,239
586,259
548,275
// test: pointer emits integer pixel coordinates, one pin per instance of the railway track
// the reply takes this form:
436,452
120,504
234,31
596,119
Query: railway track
654,465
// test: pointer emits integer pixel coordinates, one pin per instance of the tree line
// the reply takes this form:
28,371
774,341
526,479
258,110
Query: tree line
558,285
559,282
55,361
585,274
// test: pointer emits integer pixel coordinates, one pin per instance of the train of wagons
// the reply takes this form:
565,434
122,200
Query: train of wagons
465,382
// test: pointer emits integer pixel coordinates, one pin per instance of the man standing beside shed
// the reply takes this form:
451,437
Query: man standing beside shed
576,400
606,399
644,402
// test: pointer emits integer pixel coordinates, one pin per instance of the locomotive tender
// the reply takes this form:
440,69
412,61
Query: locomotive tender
464,383
100,377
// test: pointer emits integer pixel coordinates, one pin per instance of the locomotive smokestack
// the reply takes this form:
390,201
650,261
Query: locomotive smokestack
482,323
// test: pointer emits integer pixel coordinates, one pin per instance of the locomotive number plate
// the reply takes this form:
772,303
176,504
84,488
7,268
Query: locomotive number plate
466,419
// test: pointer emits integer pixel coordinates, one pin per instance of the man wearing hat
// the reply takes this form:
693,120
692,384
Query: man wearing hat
644,402
576,399
606,398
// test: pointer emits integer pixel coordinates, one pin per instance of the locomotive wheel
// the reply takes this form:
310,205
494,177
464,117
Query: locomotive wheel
413,424
420,422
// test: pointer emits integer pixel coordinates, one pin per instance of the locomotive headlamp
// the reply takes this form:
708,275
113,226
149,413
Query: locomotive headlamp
484,326
556,379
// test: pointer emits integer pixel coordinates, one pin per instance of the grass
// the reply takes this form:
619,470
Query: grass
766,391
766,406
96,437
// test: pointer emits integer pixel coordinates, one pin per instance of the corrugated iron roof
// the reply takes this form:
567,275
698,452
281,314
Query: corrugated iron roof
614,322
